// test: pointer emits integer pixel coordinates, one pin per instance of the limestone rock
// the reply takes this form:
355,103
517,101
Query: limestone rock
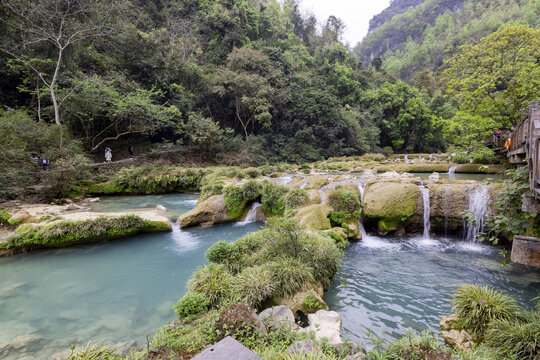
260,215
297,301
72,206
434,177
208,212
358,356
309,182
237,317
450,200
303,347
390,203
93,200
278,314
449,322
161,208
21,217
459,339
326,324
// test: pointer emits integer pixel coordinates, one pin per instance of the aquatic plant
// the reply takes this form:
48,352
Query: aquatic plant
477,306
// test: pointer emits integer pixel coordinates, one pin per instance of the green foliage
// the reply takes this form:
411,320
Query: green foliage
215,188
251,190
235,201
507,216
289,275
295,198
191,305
5,218
340,218
413,345
343,199
477,306
273,198
518,338
253,285
94,352
311,302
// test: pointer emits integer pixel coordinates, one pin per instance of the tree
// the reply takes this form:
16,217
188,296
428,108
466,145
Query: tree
38,25
498,76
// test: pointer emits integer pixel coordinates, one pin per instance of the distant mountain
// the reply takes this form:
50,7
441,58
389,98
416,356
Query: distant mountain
422,36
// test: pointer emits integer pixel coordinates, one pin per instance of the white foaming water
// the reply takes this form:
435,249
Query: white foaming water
427,223
452,172
478,205
190,202
427,242
374,242
251,216
184,240
406,158
473,247
362,188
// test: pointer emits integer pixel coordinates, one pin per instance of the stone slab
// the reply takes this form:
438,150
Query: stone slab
526,250
227,349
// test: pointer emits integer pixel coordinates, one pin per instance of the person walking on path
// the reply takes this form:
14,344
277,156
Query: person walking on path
130,151
44,163
108,154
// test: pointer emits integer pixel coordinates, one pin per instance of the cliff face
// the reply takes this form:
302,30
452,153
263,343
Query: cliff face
402,20
396,7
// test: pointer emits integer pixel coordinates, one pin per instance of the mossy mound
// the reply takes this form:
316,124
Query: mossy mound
414,167
315,217
309,182
66,233
390,203
480,169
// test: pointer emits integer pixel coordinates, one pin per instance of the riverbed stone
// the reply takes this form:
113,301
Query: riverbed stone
239,319
297,301
326,324
161,208
277,314
459,339
449,322
206,213
21,344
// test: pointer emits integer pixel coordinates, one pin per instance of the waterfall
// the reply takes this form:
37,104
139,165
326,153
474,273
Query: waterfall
427,223
452,172
406,158
361,188
478,206
251,216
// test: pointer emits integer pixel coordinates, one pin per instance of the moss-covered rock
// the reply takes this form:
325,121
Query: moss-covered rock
309,182
315,217
66,233
450,200
392,204
308,300
208,212
107,188
480,169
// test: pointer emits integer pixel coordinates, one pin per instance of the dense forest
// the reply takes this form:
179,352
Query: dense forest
253,81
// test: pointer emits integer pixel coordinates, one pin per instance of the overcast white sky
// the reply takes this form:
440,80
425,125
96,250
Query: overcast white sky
355,13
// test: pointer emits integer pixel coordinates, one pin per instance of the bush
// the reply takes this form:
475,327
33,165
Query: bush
273,198
415,346
340,218
234,201
210,190
213,281
295,198
5,218
343,199
290,275
253,172
251,190
190,305
460,158
311,302
476,306
518,338
387,151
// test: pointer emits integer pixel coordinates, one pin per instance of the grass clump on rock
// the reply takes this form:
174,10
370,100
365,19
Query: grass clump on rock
191,305
64,233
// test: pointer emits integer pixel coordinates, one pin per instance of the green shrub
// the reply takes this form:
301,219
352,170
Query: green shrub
413,345
191,304
460,158
476,306
253,172
213,281
341,242
387,151
340,218
519,338
343,199
295,198
251,190
253,285
5,218
94,352
210,190
273,198
311,302
234,201
219,252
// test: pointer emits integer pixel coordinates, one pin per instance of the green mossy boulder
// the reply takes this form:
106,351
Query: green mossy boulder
390,203
315,217
309,182
209,212
480,169
108,188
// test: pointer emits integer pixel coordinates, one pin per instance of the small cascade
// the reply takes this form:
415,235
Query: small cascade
284,180
251,216
362,188
427,223
406,158
478,206
452,172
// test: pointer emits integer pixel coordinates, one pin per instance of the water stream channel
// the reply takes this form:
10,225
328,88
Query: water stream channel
122,291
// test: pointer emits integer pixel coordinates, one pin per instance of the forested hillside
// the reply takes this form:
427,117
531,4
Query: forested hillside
422,37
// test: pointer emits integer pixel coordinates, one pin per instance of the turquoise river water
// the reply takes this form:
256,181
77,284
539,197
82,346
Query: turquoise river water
122,291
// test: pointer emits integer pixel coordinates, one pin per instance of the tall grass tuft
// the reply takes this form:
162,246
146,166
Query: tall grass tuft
290,275
519,338
477,306
213,281
254,285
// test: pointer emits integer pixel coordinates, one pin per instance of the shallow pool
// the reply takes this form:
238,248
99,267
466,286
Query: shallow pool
387,285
